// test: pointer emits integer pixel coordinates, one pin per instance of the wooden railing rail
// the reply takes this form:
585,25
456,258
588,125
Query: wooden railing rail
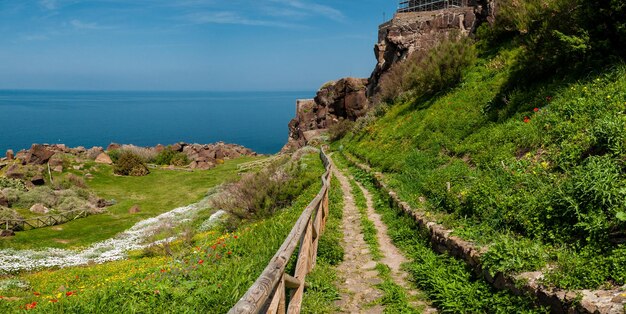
42,221
276,291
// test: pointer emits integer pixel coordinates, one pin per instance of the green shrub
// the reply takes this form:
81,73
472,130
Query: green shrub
130,164
9,214
114,154
39,195
71,203
514,255
11,183
340,129
261,194
428,72
179,159
170,157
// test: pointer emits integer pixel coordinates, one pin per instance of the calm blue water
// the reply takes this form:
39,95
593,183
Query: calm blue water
257,120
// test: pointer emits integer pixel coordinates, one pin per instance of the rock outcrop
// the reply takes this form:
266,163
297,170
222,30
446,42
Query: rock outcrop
335,101
103,158
403,35
409,32
206,156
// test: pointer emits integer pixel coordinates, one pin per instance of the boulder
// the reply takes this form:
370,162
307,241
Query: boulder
10,155
39,155
88,176
207,154
37,180
134,210
178,147
78,150
94,152
14,172
103,158
23,156
39,209
57,169
7,233
56,160
159,148
101,203
205,165
113,146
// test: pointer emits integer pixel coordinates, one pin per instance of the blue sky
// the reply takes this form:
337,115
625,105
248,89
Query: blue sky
218,45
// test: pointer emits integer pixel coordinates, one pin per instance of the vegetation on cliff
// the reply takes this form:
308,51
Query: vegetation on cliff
526,153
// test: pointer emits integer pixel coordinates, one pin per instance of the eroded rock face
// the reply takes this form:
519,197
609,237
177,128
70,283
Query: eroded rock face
414,31
337,100
38,155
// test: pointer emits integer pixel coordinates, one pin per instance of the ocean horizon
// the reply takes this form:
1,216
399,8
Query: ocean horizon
257,120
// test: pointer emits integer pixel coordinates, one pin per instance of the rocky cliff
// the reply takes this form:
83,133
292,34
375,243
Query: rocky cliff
406,33
337,100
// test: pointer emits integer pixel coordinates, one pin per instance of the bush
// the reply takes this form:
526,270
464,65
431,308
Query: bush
130,164
261,194
39,195
148,155
170,157
340,129
428,72
12,183
8,214
74,203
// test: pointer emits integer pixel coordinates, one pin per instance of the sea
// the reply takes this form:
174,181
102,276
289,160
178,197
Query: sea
257,120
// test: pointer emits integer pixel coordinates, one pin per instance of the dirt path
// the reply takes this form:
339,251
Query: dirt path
357,270
392,256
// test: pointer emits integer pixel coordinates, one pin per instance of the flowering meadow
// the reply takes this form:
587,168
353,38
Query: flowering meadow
202,272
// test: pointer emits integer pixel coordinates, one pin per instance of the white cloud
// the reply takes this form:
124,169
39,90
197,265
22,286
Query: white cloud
314,8
77,24
49,4
227,17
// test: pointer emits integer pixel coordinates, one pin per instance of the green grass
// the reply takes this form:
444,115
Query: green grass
156,193
207,275
555,180
395,298
322,293
447,282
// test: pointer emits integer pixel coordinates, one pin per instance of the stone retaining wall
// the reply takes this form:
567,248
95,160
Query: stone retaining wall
559,301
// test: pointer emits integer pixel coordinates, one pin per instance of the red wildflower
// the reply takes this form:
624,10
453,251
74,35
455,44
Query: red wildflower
526,119
31,306
162,270
536,110
69,293
235,237
201,261
229,253
54,300
213,247
36,294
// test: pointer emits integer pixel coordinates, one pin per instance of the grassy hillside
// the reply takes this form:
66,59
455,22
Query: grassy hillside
159,192
535,169
200,272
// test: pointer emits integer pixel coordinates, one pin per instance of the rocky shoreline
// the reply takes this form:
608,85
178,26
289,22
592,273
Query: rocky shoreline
201,156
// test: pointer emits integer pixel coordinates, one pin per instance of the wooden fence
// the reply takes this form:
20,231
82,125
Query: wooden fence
42,221
275,291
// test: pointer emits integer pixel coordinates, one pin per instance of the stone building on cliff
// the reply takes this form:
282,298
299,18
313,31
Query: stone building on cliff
417,26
